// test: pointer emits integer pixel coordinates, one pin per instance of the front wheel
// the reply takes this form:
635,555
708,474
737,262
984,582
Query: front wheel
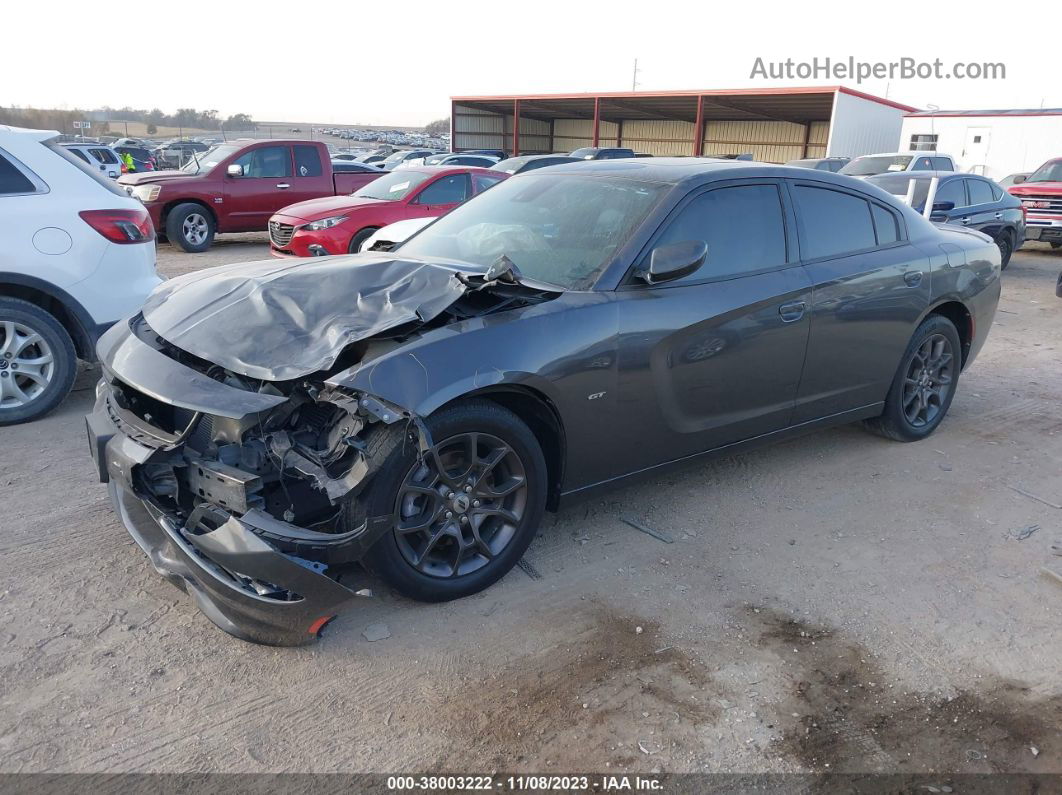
924,385
359,239
190,227
465,512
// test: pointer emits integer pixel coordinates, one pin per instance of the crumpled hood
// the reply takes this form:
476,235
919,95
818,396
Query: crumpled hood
282,320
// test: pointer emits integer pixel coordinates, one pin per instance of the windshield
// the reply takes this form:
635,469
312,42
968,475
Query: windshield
560,229
209,159
393,187
1048,172
865,166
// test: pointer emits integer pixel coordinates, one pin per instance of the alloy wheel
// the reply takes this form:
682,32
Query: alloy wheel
928,381
195,229
27,364
460,506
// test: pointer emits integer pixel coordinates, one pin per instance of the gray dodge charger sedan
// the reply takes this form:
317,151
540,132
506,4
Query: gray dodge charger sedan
264,426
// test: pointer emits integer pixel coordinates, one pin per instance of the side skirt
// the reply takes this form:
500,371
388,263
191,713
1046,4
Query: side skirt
842,418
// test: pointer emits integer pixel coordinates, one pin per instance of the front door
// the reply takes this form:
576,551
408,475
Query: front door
714,357
264,188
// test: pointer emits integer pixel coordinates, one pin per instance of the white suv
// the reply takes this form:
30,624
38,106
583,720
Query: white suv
77,254
99,156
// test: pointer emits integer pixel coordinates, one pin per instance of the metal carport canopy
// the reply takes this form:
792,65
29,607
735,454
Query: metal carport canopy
799,105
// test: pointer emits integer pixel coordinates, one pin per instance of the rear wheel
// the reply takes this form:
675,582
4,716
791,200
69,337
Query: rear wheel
465,512
190,227
359,238
37,361
924,385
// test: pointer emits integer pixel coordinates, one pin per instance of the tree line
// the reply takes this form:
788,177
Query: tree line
52,119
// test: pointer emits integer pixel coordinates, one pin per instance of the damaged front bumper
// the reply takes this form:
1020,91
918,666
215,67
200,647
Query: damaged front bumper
255,576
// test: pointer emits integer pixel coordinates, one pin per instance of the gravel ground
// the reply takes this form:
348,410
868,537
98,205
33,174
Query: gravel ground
838,602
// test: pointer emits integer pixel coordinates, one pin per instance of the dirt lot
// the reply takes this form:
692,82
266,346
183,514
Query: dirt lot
838,602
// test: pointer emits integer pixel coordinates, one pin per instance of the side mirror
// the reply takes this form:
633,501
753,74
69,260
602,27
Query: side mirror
235,170
943,207
674,261
1020,178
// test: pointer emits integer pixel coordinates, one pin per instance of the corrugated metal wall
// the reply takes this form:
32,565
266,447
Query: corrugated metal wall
768,141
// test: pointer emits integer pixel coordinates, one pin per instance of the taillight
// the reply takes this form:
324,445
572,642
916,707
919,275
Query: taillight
121,226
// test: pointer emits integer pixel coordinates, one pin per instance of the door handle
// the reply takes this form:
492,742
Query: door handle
792,312
912,278
965,220
998,216
283,185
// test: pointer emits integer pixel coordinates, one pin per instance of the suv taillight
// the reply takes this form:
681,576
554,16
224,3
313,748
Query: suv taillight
121,226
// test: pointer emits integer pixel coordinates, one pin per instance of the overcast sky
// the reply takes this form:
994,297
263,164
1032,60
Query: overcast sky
325,61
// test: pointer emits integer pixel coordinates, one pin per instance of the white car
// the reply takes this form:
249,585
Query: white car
891,162
387,237
98,156
78,254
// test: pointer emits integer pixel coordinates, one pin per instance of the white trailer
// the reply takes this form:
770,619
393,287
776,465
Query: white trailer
995,143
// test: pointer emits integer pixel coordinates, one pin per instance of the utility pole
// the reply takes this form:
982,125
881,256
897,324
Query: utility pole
634,78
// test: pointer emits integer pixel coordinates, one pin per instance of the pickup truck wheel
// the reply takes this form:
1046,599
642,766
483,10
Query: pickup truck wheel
359,238
465,512
190,227
37,361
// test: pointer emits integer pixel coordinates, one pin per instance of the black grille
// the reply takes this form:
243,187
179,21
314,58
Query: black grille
280,234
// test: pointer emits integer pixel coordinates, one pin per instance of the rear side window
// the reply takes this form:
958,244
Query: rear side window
79,154
980,191
951,191
943,164
12,180
104,155
482,182
924,164
888,231
742,227
307,161
835,223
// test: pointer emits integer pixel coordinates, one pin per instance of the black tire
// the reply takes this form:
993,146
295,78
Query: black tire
61,374
398,460
359,238
1005,242
894,422
190,227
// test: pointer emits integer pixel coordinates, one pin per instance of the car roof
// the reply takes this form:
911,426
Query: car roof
675,170
909,153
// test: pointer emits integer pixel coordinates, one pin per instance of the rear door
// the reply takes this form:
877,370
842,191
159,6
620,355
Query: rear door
107,161
870,287
985,214
714,357
310,179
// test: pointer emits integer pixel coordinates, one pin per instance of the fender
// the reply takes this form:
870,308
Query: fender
80,325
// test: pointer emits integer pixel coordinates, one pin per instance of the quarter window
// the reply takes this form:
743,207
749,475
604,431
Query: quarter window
834,223
741,225
12,180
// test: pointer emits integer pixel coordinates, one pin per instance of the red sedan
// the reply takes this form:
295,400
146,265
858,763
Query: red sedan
340,224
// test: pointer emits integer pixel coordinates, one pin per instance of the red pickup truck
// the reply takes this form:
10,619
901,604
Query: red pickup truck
236,186
1041,198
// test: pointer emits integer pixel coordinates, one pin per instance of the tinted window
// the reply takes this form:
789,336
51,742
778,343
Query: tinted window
78,153
951,191
943,164
835,223
267,162
307,161
12,180
445,190
980,191
742,227
885,225
924,164
824,165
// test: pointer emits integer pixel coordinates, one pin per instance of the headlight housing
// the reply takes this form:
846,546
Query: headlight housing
325,223
147,193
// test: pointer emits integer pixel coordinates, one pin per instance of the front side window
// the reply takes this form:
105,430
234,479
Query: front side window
307,161
834,223
563,229
450,189
741,225
269,162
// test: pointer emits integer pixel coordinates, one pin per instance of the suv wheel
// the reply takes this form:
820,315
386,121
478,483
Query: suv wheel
465,513
924,385
190,227
37,361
